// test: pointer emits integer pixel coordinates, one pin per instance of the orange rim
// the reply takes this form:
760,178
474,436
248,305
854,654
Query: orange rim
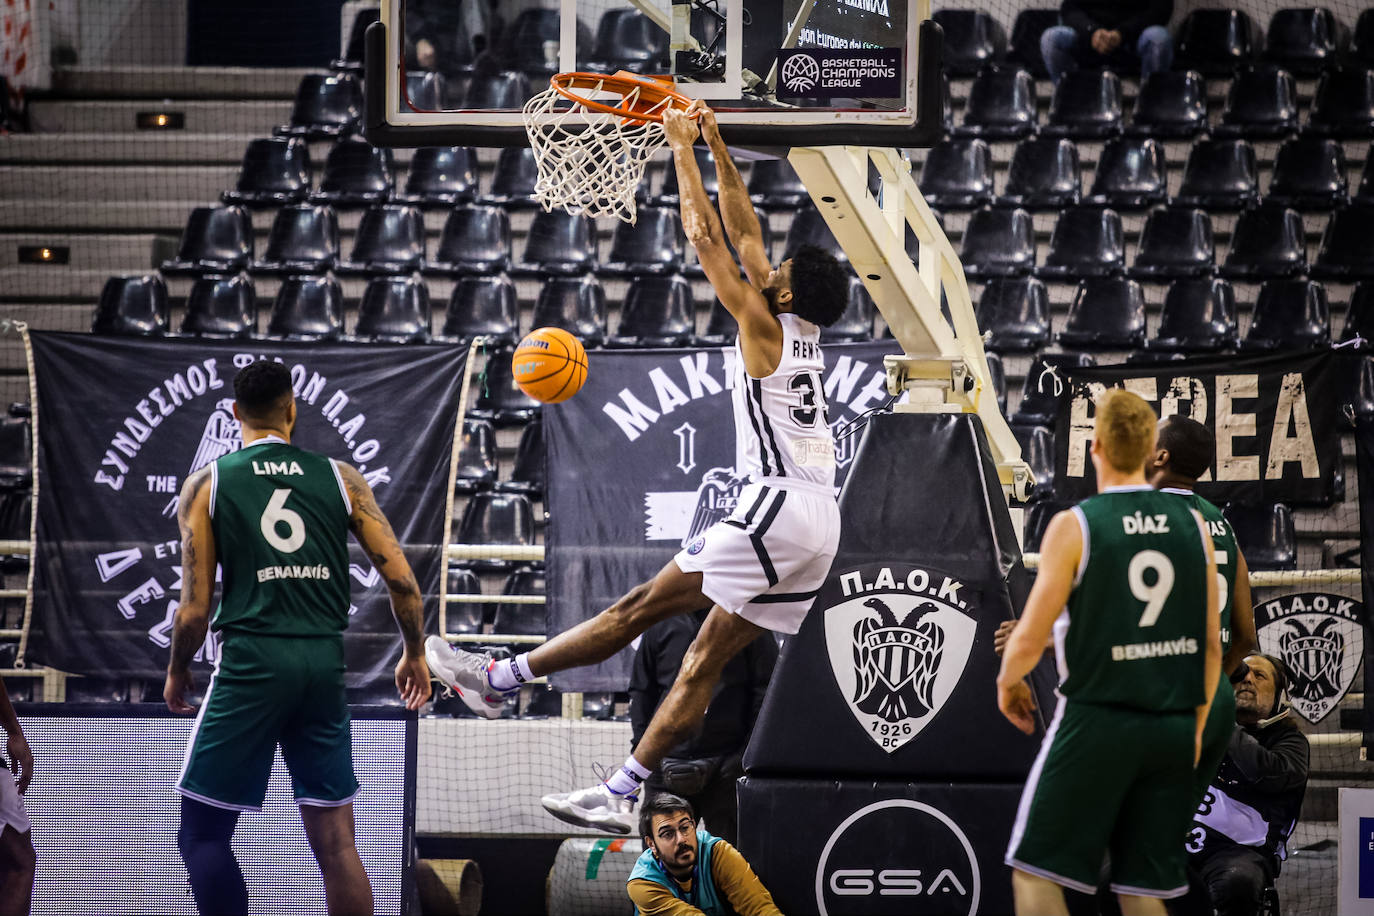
653,91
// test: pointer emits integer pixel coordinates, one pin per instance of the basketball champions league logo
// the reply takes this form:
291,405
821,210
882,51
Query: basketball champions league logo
1320,638
898,646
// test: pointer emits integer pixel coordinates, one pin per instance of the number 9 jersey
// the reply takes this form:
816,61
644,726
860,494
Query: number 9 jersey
280,516
1133,632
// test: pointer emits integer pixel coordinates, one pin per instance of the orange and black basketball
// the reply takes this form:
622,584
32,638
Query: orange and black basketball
550,365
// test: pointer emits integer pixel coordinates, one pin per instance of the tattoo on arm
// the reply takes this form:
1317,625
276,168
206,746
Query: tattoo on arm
193,617
374,533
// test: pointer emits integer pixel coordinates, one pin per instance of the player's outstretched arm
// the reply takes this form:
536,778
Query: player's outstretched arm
1060,550
374,533
197,587
1243,637
741,222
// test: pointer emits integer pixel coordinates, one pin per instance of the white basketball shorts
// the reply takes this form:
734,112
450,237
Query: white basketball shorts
12,813
769,558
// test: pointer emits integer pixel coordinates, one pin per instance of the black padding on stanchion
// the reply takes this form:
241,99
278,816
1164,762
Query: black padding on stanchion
845,848
893,672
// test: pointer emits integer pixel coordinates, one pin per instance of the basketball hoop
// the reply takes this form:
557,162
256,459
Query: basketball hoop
591,150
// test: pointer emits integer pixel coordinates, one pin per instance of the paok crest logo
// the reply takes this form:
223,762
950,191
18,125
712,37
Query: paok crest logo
1320,638
897,857
898,647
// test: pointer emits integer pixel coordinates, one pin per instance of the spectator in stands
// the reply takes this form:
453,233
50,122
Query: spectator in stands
684,870
1109,33
704,768
17,857
1240,830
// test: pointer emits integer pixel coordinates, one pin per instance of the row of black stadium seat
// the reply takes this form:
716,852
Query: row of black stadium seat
478,468
1044,174
1215,41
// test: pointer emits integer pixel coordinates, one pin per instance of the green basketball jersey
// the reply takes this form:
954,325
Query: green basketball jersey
1226,549
1134,629
280,518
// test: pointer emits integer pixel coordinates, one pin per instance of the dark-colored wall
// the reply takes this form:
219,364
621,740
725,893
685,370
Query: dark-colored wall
262,33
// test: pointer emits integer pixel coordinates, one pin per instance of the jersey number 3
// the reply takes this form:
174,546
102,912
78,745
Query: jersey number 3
807,385
276,516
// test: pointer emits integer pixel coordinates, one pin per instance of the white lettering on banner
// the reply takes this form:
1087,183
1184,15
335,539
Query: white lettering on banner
1299,447
917,581
699,380
1230,425
670,396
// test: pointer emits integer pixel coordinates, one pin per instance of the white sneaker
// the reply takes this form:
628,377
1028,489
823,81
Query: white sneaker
465,673
598,808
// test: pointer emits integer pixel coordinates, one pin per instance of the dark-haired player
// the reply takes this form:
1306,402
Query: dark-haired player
762,566
276,519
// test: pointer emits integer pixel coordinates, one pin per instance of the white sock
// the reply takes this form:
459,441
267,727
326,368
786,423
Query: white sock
626,780
509,673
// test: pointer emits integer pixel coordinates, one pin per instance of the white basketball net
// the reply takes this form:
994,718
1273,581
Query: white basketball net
589,161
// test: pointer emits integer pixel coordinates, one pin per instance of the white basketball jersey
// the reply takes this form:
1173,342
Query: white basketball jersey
782,424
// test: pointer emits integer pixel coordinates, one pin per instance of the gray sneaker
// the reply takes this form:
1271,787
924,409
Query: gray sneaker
598,808
465,673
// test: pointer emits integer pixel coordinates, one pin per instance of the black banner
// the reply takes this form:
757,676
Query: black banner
642,460
1275,420
1364,457
121,423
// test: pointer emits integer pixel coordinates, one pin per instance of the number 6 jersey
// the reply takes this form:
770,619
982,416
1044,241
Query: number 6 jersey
782,425
280,518
1133,632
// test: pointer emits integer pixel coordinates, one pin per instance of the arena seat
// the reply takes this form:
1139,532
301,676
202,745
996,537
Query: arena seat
1107,313
544,703
1087,242
440,176
486,305
1362,40
1365,191
221,306
1267,242
307,308
1305,41
16,454
466,616
957,174
657,311
998,243
512,183
530,43
1001,105
1290,314
390,240
1037,448
808,227
1215,41
1359,318
493,91
1343,106
275,171
356,173
1199,316
352,59
720,327
1265,534
1024,48
133,306
652,244
1014,314
1038,519
1220,175
1043,175
997,374
667,192
97,690
528,474
1175,242
512,619
1362,402
973,39
857,321
500,400
492,517
476,239
1039,400
1131,174
1345,252
1086,105
1262,102
477,467
327,105
425,90
774,185
1170,104
626,39
558,242
394,310
1309,174
215,240
304,239
575,304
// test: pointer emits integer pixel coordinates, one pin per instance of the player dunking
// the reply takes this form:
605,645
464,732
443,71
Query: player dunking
1128,585
762,566
276,518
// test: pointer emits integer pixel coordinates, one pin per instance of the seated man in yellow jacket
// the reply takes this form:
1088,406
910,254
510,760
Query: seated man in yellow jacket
684,871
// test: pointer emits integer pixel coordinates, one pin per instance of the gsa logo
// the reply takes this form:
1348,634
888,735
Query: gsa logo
897,857
801,73
696,546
